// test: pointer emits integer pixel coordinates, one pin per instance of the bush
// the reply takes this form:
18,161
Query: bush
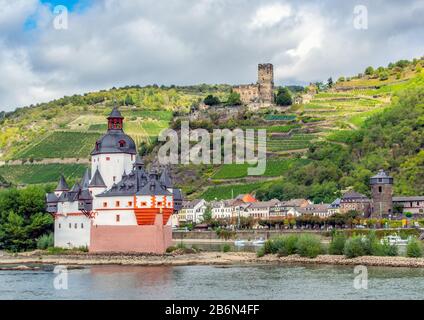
45,241
288,246
337,244
414,249
284,246
384,249
171,249
309,246
226,248
261,252
355,247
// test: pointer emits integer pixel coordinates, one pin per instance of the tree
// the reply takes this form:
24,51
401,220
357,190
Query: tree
22,218
233,99
207,216
330,82
211,100
369,71
284,97
129,101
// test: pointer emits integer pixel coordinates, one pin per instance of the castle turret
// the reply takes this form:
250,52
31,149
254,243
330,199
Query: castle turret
62,186
382,193
115,152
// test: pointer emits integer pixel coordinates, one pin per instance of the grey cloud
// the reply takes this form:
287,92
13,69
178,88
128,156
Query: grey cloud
116,43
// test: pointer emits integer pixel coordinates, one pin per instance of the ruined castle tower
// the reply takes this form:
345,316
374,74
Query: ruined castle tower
382,193
263,90
266,82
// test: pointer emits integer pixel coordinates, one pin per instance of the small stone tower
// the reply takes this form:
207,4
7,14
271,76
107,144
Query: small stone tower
382,193
266,82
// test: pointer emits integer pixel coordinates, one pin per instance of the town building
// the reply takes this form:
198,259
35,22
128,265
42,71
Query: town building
192,211
262,91
259,209
414,204
319,210
119,205
354,201
287,208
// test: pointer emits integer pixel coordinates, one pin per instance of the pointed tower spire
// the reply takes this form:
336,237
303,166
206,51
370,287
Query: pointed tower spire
85,182
97,181
62,185
165,179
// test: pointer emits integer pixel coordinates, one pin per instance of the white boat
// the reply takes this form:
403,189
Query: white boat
239,242
394,240
259,242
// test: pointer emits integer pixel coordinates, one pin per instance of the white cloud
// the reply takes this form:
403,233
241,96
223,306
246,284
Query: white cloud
269,15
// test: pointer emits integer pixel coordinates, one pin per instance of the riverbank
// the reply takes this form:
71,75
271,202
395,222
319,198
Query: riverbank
203,258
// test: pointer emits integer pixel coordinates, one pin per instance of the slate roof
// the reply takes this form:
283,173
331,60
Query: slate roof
406,199
115,140
353,195
97,180
62,185
165,179
85,182
115,113
137,182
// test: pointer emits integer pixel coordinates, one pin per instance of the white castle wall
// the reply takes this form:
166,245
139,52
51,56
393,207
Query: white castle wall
72,231
112,166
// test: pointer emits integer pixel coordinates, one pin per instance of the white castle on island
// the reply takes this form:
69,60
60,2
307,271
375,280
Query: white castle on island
118,206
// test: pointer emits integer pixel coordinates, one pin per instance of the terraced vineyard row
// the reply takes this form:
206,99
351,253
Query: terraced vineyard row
61,144
273,168
41,173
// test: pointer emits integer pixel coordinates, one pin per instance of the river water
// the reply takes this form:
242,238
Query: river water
213,282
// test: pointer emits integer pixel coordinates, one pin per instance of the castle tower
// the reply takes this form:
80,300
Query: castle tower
382,193
266,82
114,153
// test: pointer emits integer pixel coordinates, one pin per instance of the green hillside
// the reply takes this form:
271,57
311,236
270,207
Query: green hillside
335,138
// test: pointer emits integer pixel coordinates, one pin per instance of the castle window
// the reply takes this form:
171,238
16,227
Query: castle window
121,143
118,218
104,204
114,178
380,189
117,204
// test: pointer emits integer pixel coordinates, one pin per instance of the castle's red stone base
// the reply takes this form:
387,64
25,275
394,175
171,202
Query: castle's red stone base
154,238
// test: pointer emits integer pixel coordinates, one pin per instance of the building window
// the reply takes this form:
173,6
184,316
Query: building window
76,225
121,143
143,204
159,203
118,218
82,225
104,204
60,226
117,203
129,203
380,189
70,226
107,158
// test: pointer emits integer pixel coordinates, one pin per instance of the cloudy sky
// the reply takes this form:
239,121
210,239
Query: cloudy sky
123,42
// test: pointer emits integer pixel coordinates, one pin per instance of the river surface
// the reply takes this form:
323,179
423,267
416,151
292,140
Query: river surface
213,282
